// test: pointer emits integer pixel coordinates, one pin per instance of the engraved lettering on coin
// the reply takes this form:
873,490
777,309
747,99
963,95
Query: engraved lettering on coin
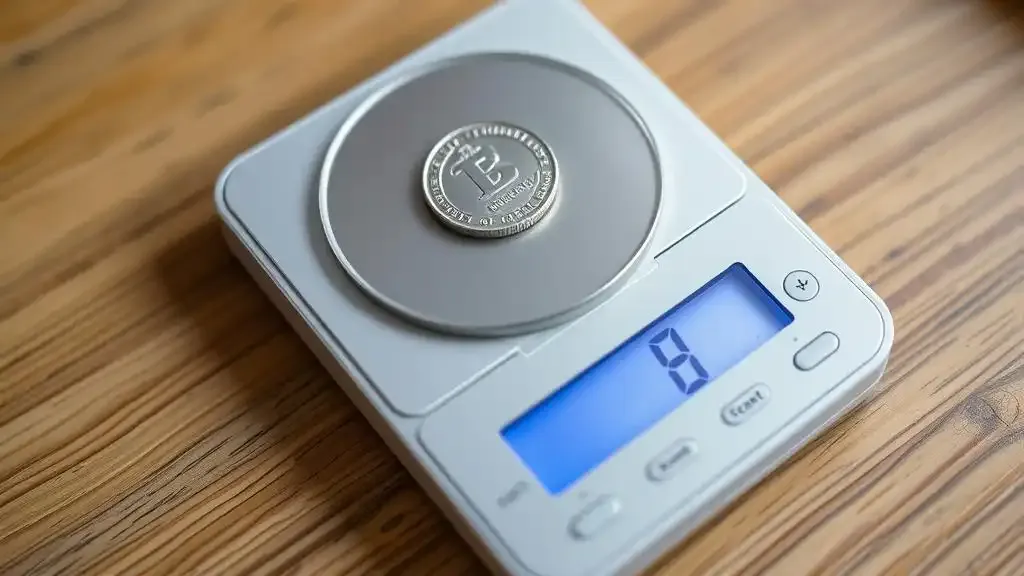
490,180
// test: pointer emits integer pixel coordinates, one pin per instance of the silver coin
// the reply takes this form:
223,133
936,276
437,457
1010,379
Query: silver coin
490,179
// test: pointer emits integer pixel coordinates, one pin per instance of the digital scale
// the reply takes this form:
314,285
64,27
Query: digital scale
579,320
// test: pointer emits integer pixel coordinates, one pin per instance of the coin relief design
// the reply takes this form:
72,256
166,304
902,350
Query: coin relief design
490,180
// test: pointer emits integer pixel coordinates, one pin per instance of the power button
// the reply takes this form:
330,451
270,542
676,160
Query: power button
594,517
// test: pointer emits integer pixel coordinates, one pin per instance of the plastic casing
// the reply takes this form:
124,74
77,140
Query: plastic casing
439,401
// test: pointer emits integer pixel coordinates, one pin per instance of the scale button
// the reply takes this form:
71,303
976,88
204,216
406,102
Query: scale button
594,517
749,403
666,464
801,285
817,351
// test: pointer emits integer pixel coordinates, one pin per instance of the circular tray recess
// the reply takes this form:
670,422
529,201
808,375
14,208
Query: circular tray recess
374,194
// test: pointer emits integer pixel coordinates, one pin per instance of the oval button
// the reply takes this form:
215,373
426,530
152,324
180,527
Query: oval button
817,351
668,463
749,403
594,517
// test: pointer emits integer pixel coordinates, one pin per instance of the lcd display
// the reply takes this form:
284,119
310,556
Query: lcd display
605,407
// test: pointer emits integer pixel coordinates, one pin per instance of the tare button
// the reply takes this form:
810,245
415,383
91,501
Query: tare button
749,403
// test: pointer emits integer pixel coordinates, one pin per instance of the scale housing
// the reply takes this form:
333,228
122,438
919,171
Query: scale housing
441,407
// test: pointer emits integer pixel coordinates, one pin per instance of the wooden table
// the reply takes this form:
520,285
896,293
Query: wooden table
156,414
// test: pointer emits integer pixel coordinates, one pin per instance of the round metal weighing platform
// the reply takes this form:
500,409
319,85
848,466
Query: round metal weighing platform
373,208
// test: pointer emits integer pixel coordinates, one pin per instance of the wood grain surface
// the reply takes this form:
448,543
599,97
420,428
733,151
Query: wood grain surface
157,415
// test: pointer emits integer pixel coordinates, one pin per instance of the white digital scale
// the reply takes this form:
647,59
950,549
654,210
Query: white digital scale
581,392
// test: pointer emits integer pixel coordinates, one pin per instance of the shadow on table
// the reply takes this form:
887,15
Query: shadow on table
319,484
1010,10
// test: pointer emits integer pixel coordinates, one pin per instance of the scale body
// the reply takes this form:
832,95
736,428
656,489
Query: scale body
798,339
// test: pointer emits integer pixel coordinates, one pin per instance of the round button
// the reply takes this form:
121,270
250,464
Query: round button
801,285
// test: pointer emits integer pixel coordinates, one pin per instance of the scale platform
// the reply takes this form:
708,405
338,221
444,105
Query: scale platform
579,320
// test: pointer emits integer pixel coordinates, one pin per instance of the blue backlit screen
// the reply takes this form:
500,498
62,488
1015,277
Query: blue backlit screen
602,409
